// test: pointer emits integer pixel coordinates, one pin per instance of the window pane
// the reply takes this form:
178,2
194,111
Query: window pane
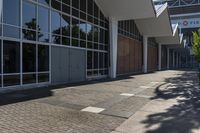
56,5
96,34
75,4
0,61
29,34
75,28
11,57
90,7
96,10
75,42
89,60
89,32
65,23
11,12
66,2
43,19
66,8
65,41
29,15
29,57
96,60
11,80
100,60
55,22
83,30
83,5
43,58
45,2
10,31
29,78
56,39
43,77
43,37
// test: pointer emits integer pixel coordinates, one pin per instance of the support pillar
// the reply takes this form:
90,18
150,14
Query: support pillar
159,57
145,54
113,28
168,58
173,65
177,59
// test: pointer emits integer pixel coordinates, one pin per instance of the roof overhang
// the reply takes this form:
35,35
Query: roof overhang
127,9
158,26
175,39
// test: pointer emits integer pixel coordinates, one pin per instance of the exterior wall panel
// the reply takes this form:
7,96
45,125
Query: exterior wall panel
129,59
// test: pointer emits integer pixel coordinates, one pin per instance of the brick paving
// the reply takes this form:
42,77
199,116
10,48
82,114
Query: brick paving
59,110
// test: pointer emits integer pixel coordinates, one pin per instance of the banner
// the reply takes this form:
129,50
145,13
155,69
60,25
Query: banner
188,23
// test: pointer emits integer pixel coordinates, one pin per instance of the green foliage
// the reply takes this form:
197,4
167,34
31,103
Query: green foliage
196,45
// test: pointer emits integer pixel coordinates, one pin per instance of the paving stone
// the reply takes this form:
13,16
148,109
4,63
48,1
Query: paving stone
126,107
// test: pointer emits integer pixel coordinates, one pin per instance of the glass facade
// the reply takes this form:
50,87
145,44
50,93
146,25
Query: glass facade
128,28
30,27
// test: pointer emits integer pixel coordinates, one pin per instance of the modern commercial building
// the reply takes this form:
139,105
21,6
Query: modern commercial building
45,42
187,14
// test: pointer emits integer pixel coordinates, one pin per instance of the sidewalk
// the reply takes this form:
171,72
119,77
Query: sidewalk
161,102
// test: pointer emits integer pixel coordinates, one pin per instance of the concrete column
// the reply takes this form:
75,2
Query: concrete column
168,58
159,57
113,28
173,58
177,60
145,54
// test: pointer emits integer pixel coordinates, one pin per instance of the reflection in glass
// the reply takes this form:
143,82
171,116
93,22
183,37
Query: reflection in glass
75,28
75,4
43,77
96,34
45,2
65,41
29,78
96,60
66,8
56,39
11,57
10,31
29,57
43,19
89,32
43,37
43,58
55,22
89,60
83,30
100,60
75,42
29,15
11,12
56,5
29,34
11,80
68,2
90,7
83,5
65,24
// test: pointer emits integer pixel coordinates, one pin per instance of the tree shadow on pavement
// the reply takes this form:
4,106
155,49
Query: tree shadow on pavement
182,117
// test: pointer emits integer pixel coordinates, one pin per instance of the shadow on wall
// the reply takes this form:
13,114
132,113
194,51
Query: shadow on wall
183,117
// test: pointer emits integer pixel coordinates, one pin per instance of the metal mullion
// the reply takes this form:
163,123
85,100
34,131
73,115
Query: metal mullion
2,50
50,46
37,43
21,45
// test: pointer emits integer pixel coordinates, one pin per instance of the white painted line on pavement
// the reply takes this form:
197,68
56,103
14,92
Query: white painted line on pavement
127,94
93,110
145,87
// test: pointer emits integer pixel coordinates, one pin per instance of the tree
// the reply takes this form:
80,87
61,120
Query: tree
196,47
